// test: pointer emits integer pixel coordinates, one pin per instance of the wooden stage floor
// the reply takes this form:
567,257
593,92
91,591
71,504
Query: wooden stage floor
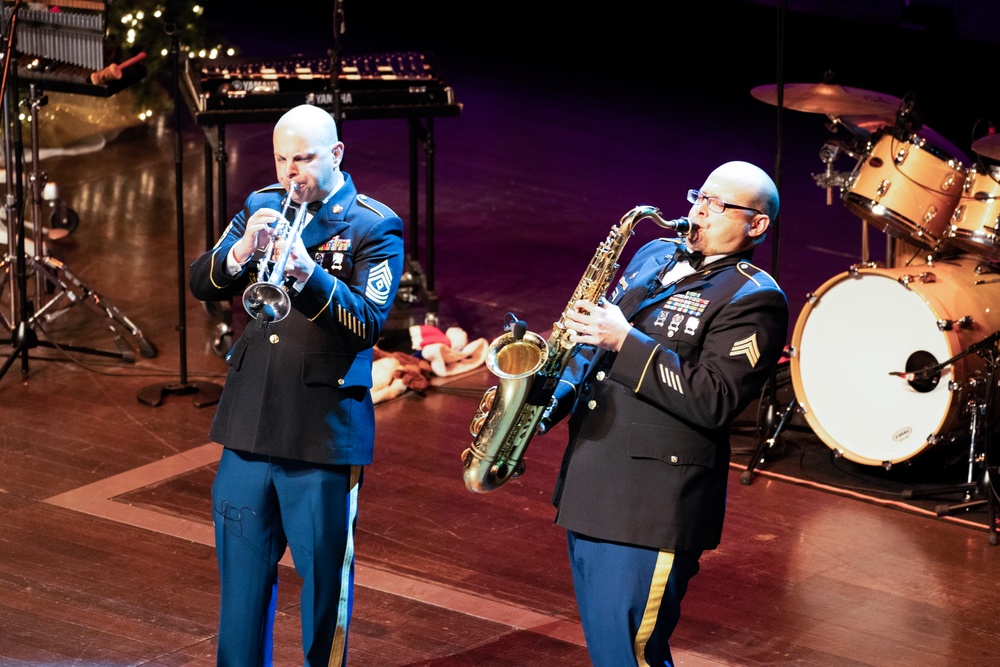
106,553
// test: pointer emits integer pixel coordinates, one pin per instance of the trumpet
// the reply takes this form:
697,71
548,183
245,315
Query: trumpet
268,297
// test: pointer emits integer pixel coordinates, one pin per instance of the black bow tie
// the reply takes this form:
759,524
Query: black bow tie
692,257
311,207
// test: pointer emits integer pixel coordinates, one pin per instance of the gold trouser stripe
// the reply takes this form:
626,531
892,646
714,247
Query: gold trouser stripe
646,368
340,634
664,564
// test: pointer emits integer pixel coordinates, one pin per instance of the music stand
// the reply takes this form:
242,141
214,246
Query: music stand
52,276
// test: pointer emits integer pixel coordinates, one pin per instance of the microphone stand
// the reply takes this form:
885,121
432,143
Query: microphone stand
208,393
770,410
980,442
334,53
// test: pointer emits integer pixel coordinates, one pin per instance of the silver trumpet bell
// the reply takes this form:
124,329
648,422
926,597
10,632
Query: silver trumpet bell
267,298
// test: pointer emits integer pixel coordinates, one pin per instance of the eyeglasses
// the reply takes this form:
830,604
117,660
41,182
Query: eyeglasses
715,204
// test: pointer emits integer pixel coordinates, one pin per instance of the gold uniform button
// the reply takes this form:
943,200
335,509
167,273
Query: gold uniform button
592,404
673,459
340,381
274,339
600,376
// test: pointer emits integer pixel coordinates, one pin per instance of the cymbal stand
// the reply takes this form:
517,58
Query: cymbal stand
978,489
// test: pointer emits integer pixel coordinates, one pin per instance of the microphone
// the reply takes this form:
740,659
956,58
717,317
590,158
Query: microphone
518,328
908,121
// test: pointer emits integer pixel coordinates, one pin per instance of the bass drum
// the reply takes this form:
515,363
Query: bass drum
862,327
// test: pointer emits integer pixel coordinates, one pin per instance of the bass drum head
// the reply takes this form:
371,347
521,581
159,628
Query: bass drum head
861,327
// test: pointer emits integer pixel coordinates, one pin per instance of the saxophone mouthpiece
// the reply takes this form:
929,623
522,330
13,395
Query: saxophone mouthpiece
682,226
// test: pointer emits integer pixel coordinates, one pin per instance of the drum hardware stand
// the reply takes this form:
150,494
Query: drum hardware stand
988,267
50,274
773,418
980,443
764,445
208,393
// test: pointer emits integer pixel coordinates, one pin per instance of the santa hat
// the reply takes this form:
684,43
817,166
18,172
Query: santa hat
446,361
421,335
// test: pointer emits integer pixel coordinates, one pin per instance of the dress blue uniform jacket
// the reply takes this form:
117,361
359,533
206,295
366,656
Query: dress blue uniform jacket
299,388
649,451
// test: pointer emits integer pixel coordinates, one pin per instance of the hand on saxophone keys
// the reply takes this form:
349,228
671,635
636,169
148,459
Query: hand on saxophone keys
599,324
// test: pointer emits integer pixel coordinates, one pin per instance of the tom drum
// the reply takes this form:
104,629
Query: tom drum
906,187
862,326
975,224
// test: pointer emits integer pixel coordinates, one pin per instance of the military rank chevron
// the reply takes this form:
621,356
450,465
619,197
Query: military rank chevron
747,346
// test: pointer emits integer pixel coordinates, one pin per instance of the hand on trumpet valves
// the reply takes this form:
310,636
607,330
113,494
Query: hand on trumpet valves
257,235
300,263
600,324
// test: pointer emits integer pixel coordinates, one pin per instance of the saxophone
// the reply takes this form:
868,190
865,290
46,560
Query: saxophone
528,369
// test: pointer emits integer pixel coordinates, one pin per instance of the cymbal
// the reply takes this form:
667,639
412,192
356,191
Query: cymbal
988,146
831,99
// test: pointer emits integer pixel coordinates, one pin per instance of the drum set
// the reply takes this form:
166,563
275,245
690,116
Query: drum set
888,360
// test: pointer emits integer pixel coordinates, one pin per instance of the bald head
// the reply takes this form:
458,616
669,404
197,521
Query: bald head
308,152
757,188
309,121
748,199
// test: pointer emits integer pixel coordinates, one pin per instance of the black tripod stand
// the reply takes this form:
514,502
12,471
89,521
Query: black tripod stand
977,490
56,288
771,416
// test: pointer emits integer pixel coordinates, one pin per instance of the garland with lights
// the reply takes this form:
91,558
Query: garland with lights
131,28
141,26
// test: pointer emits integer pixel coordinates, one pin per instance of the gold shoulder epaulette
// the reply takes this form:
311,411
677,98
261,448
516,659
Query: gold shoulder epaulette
744,267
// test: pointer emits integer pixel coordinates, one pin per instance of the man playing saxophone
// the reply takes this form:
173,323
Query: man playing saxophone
666,363
296,417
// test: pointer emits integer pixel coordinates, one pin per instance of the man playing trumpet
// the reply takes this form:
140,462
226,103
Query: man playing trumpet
296,418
